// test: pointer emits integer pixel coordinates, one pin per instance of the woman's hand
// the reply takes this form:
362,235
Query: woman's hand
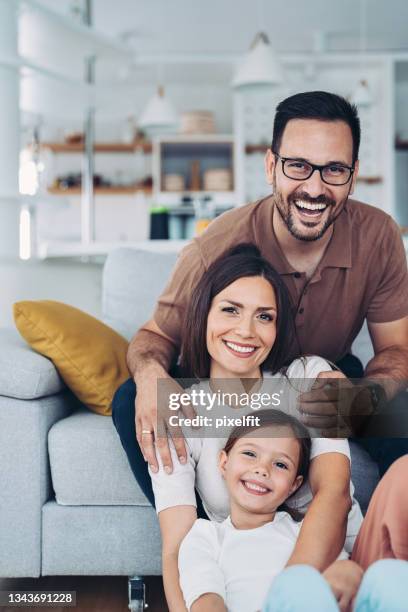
344,578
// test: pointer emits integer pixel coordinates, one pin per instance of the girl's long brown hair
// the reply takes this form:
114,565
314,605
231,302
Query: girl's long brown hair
277,418
241,261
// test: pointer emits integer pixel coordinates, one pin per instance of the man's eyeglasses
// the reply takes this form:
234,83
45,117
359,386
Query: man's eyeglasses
301,170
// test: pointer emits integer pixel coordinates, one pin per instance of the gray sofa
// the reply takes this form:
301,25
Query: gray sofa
69,503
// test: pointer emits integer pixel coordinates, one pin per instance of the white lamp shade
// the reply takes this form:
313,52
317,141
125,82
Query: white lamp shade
260,66
362,95
159,114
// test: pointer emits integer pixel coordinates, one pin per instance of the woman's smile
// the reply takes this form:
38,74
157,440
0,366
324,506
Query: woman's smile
240,350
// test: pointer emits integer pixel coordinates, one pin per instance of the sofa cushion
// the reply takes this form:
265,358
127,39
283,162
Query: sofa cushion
24,374
88,464
97,541
89,355
132,282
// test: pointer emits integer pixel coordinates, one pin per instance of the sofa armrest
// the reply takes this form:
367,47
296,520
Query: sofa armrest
25,482
25,374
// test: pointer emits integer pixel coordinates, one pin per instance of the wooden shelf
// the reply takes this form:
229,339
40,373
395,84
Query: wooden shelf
101,190
401,145
99,147
369,180
259,148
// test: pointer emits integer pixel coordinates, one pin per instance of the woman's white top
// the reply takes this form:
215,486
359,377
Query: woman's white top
237,564
201,470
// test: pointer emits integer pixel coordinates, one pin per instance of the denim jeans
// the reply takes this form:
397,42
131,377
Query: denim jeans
301,588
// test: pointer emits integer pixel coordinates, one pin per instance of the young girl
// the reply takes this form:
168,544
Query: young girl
239,327
230,565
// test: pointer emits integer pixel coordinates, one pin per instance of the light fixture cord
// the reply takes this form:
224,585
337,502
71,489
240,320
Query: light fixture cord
363,35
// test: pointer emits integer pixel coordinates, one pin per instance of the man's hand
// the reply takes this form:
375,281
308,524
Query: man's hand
152,424
334,406
344,578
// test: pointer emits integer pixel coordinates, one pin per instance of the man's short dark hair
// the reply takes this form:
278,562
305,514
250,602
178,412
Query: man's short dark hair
320,105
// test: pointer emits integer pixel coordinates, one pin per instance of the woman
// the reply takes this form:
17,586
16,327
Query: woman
238,327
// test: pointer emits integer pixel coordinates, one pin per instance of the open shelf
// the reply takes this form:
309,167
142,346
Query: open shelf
101,190
99,147
77,249
259,148
401,145
370,180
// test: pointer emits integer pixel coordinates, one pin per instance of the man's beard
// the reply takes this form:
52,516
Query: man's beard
285,211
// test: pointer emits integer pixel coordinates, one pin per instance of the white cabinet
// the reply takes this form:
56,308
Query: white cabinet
191,159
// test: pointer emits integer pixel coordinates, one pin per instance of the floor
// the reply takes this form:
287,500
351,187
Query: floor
93,593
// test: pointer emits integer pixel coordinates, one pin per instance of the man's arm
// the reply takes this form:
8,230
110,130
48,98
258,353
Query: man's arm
390,362
150,346
323,531
149,357
321,407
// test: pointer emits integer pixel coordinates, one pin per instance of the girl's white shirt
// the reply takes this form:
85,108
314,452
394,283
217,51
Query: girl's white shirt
236,564
201,470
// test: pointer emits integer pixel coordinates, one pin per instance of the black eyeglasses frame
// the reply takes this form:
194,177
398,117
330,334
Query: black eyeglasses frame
314,167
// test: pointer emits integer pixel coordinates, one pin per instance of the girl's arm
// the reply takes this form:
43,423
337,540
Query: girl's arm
209,602
175,523
324,527
323,530
201,578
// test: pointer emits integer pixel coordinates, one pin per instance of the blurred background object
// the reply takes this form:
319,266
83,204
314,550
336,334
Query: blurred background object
108,108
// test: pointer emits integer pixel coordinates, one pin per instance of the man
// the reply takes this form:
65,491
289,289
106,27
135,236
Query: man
342,261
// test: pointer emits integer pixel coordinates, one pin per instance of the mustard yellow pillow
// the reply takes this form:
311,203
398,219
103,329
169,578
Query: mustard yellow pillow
89,355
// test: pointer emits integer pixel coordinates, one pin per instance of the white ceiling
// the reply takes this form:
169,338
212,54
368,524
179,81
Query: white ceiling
223,26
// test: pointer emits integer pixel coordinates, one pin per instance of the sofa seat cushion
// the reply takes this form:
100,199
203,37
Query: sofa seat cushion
24,374
88,464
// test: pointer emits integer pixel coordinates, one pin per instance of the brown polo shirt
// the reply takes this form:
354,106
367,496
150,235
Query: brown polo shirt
363,274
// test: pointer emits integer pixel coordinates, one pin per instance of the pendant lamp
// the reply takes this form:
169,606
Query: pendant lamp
259,67
159,115
362,95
